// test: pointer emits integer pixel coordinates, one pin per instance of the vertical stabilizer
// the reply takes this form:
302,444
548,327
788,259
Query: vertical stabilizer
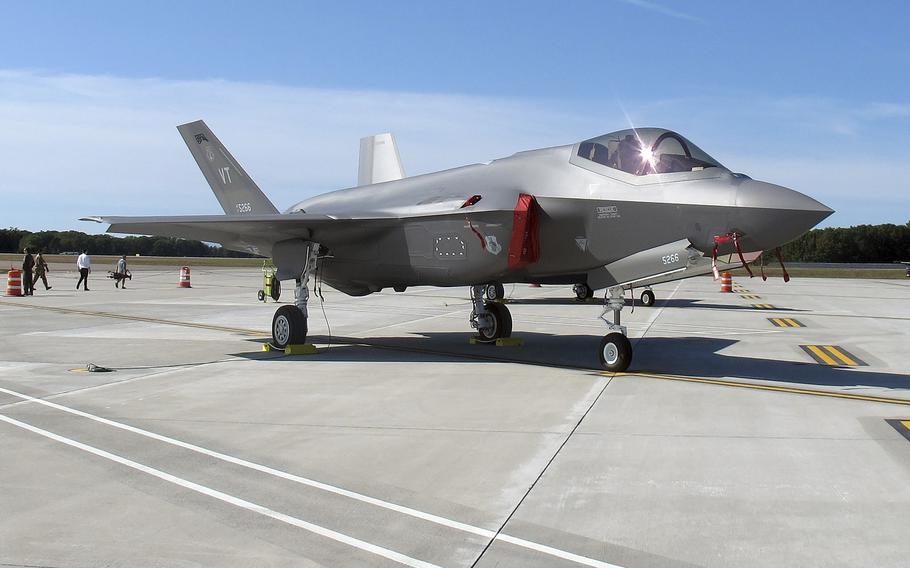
236,192
379,160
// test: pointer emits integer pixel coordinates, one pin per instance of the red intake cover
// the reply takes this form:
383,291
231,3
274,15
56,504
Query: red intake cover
524,248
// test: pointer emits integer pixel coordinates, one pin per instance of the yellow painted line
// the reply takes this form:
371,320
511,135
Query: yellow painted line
840,355
241,330
772,388
763,306
905,424
817,351
792,322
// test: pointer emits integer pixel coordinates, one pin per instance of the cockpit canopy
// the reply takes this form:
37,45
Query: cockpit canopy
644,151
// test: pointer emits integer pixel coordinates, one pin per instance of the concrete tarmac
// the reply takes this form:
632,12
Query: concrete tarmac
732,440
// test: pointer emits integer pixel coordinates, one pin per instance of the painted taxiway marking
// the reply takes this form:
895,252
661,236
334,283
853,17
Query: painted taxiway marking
756,386
750,296
230,499
902,427
464,527
786,322
240,330
763,307
832,355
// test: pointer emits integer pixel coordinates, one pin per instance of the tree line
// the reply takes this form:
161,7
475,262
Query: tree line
55,242
862,243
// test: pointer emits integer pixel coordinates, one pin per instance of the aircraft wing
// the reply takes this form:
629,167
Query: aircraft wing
249,233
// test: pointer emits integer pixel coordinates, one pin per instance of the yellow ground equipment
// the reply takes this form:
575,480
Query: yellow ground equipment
271,286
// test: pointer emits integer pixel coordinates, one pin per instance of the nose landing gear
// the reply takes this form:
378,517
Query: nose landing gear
615,351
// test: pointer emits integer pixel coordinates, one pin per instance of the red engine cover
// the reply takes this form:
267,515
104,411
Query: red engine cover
524,248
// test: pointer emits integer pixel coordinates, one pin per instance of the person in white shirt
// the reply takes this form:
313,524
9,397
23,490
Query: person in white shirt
84,264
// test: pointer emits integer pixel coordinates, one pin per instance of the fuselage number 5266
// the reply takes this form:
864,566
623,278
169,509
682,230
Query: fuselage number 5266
670,258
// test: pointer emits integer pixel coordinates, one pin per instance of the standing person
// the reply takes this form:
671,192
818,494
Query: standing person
121,271
84,264
41,270
28,282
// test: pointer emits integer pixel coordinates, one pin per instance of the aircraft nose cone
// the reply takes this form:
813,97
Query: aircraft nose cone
771,215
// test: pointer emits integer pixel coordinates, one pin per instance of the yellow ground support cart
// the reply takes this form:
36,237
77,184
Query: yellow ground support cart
271,286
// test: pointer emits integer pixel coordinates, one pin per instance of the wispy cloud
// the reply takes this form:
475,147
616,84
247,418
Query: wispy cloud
661,9
74,145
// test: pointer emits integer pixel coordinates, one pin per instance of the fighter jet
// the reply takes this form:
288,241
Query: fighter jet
631,208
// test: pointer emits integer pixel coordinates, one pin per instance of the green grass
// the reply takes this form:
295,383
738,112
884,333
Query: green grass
899,272
873,273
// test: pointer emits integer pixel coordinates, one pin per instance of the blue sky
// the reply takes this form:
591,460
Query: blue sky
810,94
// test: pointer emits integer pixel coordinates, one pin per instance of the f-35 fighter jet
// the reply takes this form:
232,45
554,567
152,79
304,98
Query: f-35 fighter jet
626,209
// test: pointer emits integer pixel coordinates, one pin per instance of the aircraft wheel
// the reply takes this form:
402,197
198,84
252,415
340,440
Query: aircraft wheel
495,291
502,323
583,292
261,296
615,352
647,298
288,327
276,288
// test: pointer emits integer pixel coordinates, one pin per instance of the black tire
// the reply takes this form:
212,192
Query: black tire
289,327
495,291
502,323
261,296
647,298
276,288
583,292
615,352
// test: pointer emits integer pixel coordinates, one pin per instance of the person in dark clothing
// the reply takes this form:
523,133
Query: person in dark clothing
28,266
41,270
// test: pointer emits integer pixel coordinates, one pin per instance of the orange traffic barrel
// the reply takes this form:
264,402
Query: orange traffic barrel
14,282
185,277
726,282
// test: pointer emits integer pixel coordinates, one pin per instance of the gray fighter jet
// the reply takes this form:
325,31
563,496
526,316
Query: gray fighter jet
623,210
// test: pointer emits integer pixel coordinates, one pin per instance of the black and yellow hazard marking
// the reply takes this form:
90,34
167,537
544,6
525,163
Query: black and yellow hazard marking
763,307
832,355
763,387
786,322
902,426
749,296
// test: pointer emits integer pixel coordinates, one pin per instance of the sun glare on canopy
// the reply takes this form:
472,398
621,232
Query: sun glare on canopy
645,151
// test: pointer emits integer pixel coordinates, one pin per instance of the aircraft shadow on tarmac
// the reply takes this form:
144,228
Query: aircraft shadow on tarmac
697,357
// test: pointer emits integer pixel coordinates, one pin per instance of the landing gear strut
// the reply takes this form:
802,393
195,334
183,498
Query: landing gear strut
491,319
615,351
289,325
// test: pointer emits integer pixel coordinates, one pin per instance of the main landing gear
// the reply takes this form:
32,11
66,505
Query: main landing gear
647,297
615,349
491,319
582,292
289,325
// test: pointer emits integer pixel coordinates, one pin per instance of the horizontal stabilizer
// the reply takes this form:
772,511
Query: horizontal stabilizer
379,160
